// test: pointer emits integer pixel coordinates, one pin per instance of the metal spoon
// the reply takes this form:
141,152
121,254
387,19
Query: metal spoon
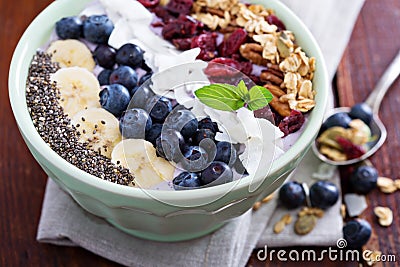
374,101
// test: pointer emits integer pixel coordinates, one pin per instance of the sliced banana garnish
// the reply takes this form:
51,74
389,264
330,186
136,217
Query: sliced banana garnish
99,128
70,53
79,89
139,156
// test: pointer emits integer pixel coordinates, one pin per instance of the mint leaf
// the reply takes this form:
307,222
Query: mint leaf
220,96
241,89
259,98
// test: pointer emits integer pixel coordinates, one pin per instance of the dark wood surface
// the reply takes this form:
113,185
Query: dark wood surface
374,42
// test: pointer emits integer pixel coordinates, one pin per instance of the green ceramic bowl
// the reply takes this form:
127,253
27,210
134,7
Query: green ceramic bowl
158,215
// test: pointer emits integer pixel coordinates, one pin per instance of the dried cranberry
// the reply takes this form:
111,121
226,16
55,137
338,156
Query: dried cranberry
291,123
351,150
207,42
163,14
233,42
180,28
272,19
246,67
182,43
149,3
180,6
216,67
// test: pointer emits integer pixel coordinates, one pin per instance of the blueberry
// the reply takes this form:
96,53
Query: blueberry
341,119
153,133
69,28
158,108
104,77
130,55
216,173
195,159
226,152
140,96
104,55
202,134
323,194
145,77
97,29
134,123
292,195
115,98
364,179
186,180
169,145
357,233
124,75
182,120
207,123
361,111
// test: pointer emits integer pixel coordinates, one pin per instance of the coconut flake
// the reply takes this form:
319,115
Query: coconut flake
355,204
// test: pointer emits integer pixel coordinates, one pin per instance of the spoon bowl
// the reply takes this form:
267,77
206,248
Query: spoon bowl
378,130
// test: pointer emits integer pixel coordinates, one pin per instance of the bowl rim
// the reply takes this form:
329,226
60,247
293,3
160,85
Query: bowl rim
28,131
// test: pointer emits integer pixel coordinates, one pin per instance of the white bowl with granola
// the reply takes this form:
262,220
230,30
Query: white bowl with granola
285,63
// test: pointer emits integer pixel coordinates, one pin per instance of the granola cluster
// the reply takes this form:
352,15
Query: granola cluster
289,71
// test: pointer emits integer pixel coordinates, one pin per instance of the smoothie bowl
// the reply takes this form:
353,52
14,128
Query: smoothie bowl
118,145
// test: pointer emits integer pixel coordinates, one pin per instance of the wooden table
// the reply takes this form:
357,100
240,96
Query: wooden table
375,40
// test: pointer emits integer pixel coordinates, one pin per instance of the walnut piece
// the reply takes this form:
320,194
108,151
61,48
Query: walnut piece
283,109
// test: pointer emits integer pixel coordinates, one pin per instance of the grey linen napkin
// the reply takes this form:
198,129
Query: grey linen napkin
63,222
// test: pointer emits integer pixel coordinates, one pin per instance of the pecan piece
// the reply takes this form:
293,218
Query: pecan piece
270,76
283,109
215,11
253,52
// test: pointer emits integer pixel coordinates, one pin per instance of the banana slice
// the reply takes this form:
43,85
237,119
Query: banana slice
70,53
99,128
139,156
79,89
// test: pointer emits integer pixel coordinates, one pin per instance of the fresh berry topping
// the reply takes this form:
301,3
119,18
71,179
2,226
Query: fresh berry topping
202,134
195,159
115,98
226,152
158,108
130,55
104,56
97,29
323,194
134,123
169,145
291,123
69,28
145,77
292,195
153,133
351,150
361,111
363,179
186,180
341,119
216,173
140,95
104,77
182,120
357,233
207,123
124,75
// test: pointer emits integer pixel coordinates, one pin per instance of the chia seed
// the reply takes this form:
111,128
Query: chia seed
55,127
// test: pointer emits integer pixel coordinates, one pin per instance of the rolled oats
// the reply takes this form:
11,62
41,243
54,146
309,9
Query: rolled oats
387,185
385,215
279,226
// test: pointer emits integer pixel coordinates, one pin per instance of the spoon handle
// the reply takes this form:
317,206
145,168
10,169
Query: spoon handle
392,72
